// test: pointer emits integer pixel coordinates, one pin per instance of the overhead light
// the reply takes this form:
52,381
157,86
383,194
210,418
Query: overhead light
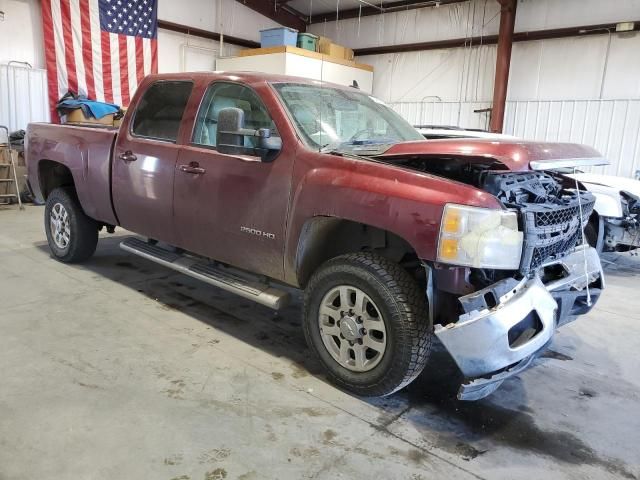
625,26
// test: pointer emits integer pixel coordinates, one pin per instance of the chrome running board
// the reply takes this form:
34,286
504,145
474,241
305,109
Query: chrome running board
227,279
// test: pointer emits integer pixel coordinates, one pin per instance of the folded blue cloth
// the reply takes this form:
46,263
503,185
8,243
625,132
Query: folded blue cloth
89,107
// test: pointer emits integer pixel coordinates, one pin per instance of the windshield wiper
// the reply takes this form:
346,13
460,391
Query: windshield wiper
358,145
331,147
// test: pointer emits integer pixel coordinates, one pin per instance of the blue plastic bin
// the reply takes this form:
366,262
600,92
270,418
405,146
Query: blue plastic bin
275,37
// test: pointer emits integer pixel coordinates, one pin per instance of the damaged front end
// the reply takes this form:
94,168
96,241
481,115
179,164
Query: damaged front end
510,317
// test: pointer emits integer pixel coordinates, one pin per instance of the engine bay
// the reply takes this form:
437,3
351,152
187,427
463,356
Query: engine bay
552,211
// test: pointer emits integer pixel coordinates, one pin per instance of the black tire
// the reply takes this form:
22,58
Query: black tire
591,234
83,231
403,307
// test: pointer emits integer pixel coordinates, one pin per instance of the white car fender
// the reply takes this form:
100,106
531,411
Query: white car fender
608,202
606,189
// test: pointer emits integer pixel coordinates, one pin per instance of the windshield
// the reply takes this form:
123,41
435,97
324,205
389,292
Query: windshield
332,119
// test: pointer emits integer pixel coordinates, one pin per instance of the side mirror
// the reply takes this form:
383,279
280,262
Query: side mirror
268,146
231,132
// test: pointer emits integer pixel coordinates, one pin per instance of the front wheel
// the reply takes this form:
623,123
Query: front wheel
72,236
367,321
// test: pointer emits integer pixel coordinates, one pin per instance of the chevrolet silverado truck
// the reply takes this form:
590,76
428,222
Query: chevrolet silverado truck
254,182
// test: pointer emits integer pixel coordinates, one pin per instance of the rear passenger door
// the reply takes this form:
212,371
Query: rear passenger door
144,160
233,208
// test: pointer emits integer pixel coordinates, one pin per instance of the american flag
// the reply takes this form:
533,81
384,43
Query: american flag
99,48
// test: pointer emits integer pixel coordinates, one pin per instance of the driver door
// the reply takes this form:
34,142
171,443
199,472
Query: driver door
232,208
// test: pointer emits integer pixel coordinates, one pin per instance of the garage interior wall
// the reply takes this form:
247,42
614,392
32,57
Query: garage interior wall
578,89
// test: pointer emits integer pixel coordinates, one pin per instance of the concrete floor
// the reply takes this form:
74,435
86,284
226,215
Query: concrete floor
119,368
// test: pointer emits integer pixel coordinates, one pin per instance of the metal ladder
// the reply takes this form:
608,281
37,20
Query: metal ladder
8,175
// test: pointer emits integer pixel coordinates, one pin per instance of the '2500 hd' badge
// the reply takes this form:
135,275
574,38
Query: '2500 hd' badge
258,233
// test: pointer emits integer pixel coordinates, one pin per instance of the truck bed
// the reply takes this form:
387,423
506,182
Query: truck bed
87,152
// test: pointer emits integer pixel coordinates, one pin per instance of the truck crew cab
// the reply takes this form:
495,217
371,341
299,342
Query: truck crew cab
253,181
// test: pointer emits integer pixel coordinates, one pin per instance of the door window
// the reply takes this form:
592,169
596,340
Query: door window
224,95
159,113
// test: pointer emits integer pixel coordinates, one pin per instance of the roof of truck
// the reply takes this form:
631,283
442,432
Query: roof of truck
247,77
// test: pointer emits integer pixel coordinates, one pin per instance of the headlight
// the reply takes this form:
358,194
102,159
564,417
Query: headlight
479,237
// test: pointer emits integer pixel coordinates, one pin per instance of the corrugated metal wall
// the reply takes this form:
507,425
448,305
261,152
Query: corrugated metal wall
610,126
23,97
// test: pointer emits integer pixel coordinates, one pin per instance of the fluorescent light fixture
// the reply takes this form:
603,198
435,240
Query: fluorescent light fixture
625,26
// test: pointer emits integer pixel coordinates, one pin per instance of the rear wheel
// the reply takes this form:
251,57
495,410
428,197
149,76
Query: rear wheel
367,321
72,236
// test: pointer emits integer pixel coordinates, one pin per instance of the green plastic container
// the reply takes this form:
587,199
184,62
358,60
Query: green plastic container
307,41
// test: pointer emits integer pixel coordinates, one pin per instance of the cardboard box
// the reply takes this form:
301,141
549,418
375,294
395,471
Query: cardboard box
77,116
326,46
336,51
323,45
348,54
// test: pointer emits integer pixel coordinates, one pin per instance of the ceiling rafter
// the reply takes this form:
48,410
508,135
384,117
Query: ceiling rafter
278,11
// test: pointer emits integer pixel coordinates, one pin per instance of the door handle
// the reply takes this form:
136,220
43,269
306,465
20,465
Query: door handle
193,167
128,156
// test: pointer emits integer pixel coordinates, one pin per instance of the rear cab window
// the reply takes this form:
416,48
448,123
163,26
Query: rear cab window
159,113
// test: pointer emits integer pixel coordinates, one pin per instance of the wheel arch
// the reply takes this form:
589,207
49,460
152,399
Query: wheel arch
52,175
324,237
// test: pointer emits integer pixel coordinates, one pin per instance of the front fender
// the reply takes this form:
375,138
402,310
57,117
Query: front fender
406,203
608,200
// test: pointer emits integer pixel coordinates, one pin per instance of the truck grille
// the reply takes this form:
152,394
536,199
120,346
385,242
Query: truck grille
552,230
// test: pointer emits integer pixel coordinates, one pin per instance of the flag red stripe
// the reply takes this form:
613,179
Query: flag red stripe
63,26
65,10
154,55
139,60
107,77
124,70
50,57
87,50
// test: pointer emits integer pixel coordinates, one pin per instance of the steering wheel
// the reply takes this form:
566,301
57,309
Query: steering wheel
355,136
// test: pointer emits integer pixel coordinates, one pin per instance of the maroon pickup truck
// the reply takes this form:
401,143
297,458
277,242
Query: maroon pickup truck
251,182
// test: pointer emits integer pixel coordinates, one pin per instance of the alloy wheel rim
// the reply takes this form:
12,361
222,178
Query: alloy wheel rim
352,328
59,226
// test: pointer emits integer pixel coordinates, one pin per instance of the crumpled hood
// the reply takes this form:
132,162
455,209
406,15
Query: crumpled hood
619,184
517,155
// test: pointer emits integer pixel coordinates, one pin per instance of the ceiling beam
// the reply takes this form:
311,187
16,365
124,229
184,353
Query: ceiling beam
198,32
277,11
387,7
493,39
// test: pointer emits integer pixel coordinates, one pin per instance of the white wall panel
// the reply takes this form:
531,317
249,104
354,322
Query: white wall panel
178,52
23,97
21,32
444,113
465,19
610,126
224,16
567,68
450,74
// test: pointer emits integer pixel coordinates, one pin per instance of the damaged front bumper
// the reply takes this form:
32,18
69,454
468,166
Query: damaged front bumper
506,325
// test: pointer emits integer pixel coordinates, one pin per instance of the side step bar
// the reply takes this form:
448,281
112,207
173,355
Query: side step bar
219,277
